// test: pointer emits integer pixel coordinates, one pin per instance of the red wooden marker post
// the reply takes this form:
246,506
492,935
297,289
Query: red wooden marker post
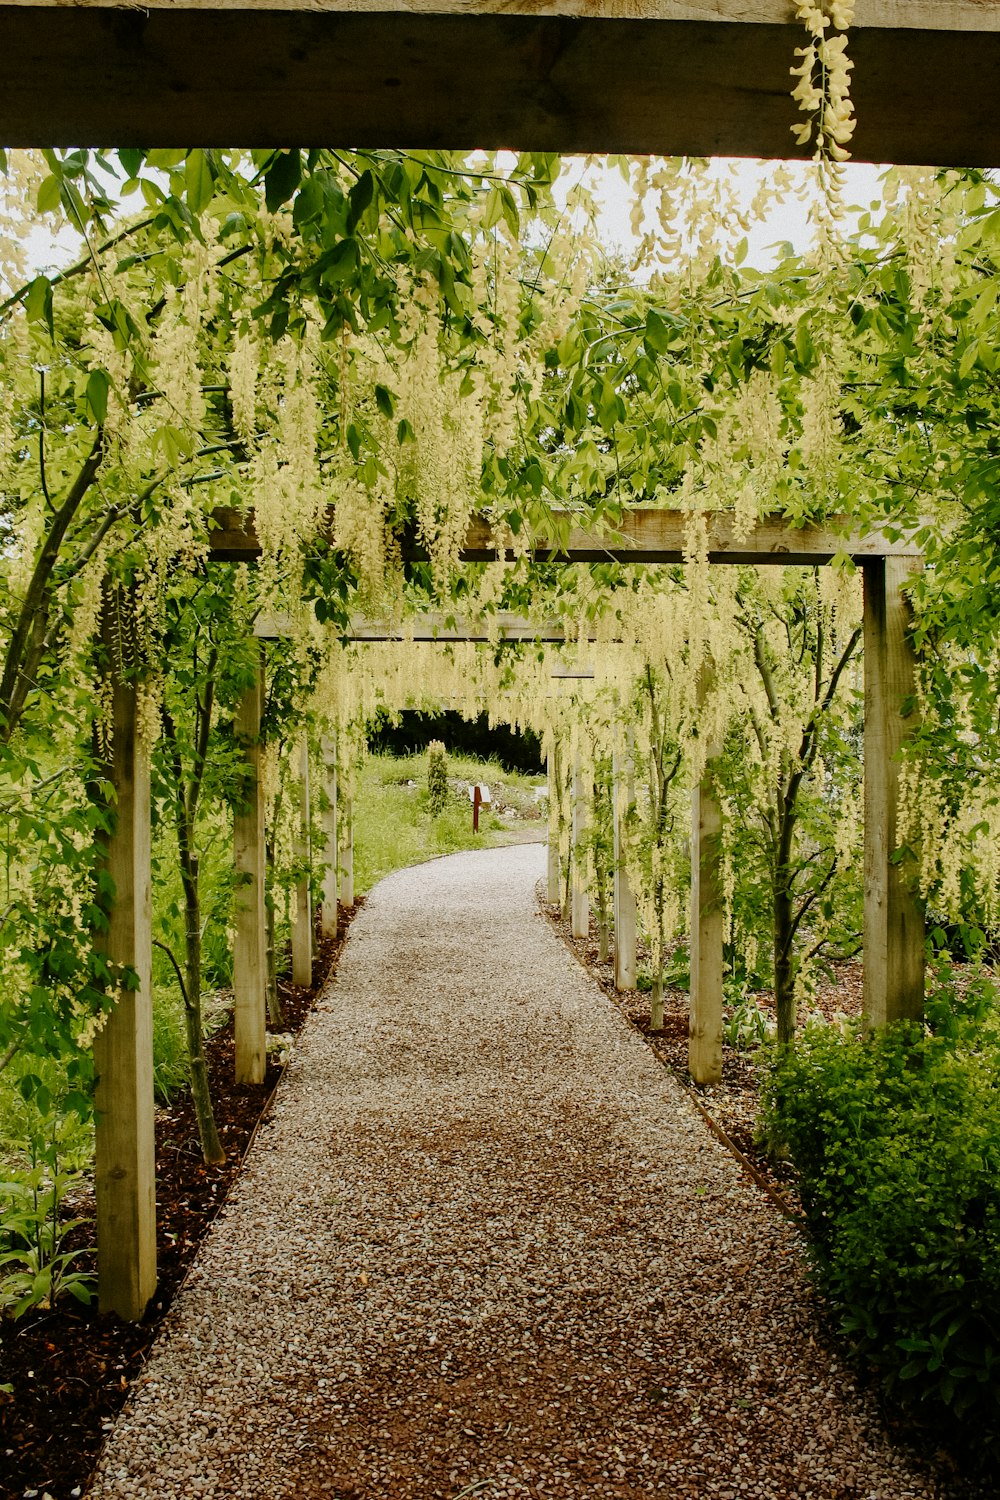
478,795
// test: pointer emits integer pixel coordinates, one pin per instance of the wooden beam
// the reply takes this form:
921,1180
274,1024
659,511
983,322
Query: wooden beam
432,627
705,1025
893,918
641,536
347,852
679,77
125,1169
579,900
302,931
250,860
331,847
552,863
625,912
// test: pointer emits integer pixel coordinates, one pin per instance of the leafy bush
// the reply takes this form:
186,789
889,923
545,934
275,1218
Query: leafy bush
437,777
36,1268
746,1026
896,1138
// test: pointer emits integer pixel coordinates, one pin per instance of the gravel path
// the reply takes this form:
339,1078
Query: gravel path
487,1248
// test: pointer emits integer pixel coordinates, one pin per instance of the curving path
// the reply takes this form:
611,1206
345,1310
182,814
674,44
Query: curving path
486,1248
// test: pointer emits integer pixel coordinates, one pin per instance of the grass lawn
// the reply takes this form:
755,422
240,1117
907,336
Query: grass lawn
393,825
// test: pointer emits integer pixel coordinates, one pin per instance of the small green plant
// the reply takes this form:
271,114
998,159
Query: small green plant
36,1268
896,1139
746,1026
437,777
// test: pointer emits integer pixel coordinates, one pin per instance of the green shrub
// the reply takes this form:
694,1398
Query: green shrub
437,777
896,1139
36,1267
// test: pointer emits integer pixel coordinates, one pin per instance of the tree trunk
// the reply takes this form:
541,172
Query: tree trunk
784,975
656,998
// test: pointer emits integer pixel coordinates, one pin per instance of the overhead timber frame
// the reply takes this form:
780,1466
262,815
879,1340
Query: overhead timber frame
679,77
893,923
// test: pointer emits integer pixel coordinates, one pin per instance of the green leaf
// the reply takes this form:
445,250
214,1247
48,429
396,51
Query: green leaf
38,302
98,385
282,178
494,208
166,157
657,338
805,350
360,196
49,192
509,209
969,356
198,180
384,402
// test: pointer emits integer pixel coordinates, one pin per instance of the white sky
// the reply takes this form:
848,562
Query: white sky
786,222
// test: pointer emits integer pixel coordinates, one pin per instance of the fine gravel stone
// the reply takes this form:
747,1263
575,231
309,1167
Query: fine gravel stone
487,1248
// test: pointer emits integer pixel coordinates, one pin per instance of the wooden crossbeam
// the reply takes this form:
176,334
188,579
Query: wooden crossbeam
431,627
642,536
681,77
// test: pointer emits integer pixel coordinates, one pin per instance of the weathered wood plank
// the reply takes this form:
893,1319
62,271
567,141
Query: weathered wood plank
331,846
655,536
579,900
250,860
893,919
125,1168
625,908
552,860
707,925
347,852
709,78
302,931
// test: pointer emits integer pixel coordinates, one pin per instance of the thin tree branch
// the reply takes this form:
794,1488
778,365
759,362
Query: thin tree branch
164,948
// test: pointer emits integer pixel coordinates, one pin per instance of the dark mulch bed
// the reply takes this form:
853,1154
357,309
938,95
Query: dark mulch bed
70,1367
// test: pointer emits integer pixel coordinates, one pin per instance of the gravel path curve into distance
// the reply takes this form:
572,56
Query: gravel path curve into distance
487,1248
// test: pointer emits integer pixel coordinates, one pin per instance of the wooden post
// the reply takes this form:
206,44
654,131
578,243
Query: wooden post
125,1169
347,854
552,872
250,943
625,964
893,918
302,934
707,923
331,851
580,902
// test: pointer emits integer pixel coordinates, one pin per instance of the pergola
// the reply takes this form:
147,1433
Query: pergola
694,77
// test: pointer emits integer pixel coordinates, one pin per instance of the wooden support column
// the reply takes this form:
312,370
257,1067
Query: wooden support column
625,923
893,917
707,925
579,901
347,853
331,848
302,933
552,884
250,858
125,1169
